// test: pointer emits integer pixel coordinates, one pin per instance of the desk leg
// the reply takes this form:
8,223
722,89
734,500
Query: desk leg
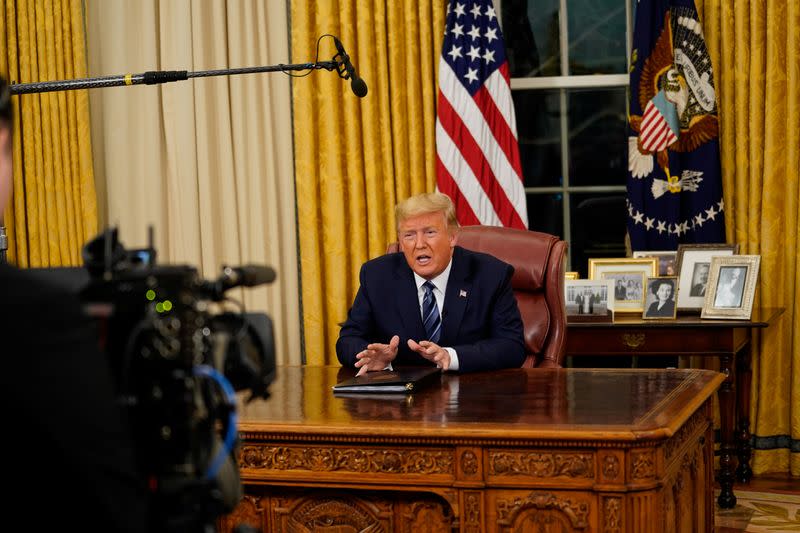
726,499
744,377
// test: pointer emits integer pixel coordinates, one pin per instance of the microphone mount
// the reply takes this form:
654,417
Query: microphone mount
154,77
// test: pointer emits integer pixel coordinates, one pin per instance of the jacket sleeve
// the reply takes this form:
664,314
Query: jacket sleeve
356,331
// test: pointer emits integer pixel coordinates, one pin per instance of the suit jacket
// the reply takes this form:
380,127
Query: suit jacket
480,317
70,460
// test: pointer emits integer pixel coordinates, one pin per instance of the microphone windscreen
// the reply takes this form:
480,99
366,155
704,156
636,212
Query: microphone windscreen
255,275
359,87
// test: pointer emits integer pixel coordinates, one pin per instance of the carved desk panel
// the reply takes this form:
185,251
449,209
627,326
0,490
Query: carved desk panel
515,450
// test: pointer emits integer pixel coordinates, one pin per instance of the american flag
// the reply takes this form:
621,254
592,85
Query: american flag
478,163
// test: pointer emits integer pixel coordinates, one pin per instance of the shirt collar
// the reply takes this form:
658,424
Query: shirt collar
440,281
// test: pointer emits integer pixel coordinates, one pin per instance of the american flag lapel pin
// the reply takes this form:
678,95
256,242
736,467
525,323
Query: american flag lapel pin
462,293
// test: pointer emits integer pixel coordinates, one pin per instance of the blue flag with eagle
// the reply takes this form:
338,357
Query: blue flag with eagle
674,179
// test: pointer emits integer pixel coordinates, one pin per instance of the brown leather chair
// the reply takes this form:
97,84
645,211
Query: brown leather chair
538,284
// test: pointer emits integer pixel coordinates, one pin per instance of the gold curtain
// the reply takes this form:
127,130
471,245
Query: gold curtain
355,158
54,209
755,48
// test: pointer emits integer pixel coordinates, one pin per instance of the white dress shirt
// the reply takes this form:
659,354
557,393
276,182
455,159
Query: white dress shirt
440,284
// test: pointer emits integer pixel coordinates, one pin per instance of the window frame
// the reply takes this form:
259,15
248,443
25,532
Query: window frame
563,84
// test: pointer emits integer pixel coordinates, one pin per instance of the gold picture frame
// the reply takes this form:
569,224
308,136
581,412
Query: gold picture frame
629,275
731,287
667,260
669,308
572,275
694,265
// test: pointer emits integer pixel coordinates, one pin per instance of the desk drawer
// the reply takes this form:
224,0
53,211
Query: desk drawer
644,341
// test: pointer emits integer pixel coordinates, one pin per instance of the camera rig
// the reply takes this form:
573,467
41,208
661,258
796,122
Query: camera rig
178,366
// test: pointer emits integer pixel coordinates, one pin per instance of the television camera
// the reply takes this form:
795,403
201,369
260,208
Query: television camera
178,363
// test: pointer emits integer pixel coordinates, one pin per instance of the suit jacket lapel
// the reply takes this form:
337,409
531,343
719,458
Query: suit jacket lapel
459,286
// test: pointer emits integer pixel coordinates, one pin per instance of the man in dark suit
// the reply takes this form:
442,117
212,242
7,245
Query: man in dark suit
476,324
70,460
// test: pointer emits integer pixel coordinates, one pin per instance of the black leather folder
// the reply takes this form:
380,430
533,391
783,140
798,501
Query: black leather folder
400,380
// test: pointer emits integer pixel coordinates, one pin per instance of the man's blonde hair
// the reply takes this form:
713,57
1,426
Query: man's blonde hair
425,204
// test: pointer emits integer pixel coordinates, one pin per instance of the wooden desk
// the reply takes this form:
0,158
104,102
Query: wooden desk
727,340
514,450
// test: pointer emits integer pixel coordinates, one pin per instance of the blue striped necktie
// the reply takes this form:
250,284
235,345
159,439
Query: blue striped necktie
430,314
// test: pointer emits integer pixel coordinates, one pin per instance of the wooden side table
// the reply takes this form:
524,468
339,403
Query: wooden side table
689,335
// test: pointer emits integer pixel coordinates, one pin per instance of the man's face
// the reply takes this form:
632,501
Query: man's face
5,168
703,274
427,243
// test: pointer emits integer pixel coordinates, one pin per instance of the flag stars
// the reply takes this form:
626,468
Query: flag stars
662,227
648,223
721,205
491,35
698,220
488,56
472,74
476,10
455,52
490,13
458,30
475,32
711,213
474,53
459,10
638,217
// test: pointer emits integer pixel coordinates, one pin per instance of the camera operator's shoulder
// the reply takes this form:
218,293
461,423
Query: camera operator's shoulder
28,297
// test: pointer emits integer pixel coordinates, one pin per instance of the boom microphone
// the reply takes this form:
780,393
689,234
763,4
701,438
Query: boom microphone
358,85
241,276
246,276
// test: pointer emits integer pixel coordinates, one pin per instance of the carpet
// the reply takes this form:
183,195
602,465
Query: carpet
761,512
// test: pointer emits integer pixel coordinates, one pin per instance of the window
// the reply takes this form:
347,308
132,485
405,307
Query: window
569,70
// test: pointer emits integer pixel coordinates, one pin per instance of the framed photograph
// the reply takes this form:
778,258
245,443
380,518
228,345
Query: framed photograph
660,297
629,276
694,264
667,261
731,287
572,275
589,300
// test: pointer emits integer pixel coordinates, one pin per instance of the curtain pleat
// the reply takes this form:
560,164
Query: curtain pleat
755,47
54,205
356,157
207,162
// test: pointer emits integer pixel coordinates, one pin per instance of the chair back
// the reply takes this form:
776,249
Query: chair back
538,284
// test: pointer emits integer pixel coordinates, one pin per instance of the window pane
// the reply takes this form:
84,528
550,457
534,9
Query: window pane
539,133
546,213
596,37
530,28
597,137
597,227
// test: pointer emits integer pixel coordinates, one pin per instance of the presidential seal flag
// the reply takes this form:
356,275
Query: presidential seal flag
477,161
674,179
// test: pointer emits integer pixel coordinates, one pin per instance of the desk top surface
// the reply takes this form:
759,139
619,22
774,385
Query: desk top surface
512,404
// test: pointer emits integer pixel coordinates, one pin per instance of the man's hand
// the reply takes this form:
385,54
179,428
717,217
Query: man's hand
432,352
377,356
